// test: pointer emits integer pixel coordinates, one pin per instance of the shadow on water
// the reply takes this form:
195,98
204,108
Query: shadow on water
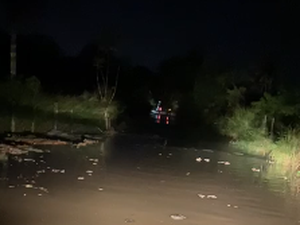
139,178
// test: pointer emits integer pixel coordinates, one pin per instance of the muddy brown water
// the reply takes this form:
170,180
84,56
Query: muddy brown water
135,180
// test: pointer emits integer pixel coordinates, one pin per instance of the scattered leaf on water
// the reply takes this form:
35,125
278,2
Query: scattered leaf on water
80,178
100,189
206,160
201,196
28,186
255,170
178,217
199,159
127,220
188,173
211,196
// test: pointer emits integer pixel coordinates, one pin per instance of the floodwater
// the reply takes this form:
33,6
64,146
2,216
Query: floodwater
135,179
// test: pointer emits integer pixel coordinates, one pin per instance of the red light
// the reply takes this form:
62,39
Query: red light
167,118
167,122
160,109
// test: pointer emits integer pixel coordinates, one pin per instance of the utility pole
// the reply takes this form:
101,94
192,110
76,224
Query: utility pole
13,55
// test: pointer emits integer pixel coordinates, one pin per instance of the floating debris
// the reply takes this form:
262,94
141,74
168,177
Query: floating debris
211,196
199,159
255,170
160,154
95,164
226,163
206,160
11,186
43,189
40,171
40,195
100,189
178,217
28,160
89,171
58,171
201,196
93,160
80,178
207,196
127,220
28,186
233,206
188,173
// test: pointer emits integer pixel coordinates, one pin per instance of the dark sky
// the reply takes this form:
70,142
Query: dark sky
239,31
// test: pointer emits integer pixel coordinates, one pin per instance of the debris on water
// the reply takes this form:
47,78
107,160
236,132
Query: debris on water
93,160
207,196
43,189
28,186
160,154
58,171
40,171
206,160
28,160
89,171
80,178
255,170
188,173
211,196
201,196
24,194
170,154
208,150
11,186
40,195
127,220
100,189
199,159
226,163
178,217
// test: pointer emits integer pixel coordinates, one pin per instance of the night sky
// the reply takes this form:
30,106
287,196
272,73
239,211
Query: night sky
149,31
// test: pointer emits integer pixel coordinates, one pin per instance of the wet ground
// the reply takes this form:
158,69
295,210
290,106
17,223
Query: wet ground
135,179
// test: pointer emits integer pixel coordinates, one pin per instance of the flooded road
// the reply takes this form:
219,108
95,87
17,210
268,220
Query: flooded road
136,179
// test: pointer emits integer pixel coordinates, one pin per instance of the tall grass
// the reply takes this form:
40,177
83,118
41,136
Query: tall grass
249,134
29,103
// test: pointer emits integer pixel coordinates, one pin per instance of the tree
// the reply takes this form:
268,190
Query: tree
104,69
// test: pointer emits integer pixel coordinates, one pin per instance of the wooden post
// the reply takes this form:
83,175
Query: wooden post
55,115
13,55
33,126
